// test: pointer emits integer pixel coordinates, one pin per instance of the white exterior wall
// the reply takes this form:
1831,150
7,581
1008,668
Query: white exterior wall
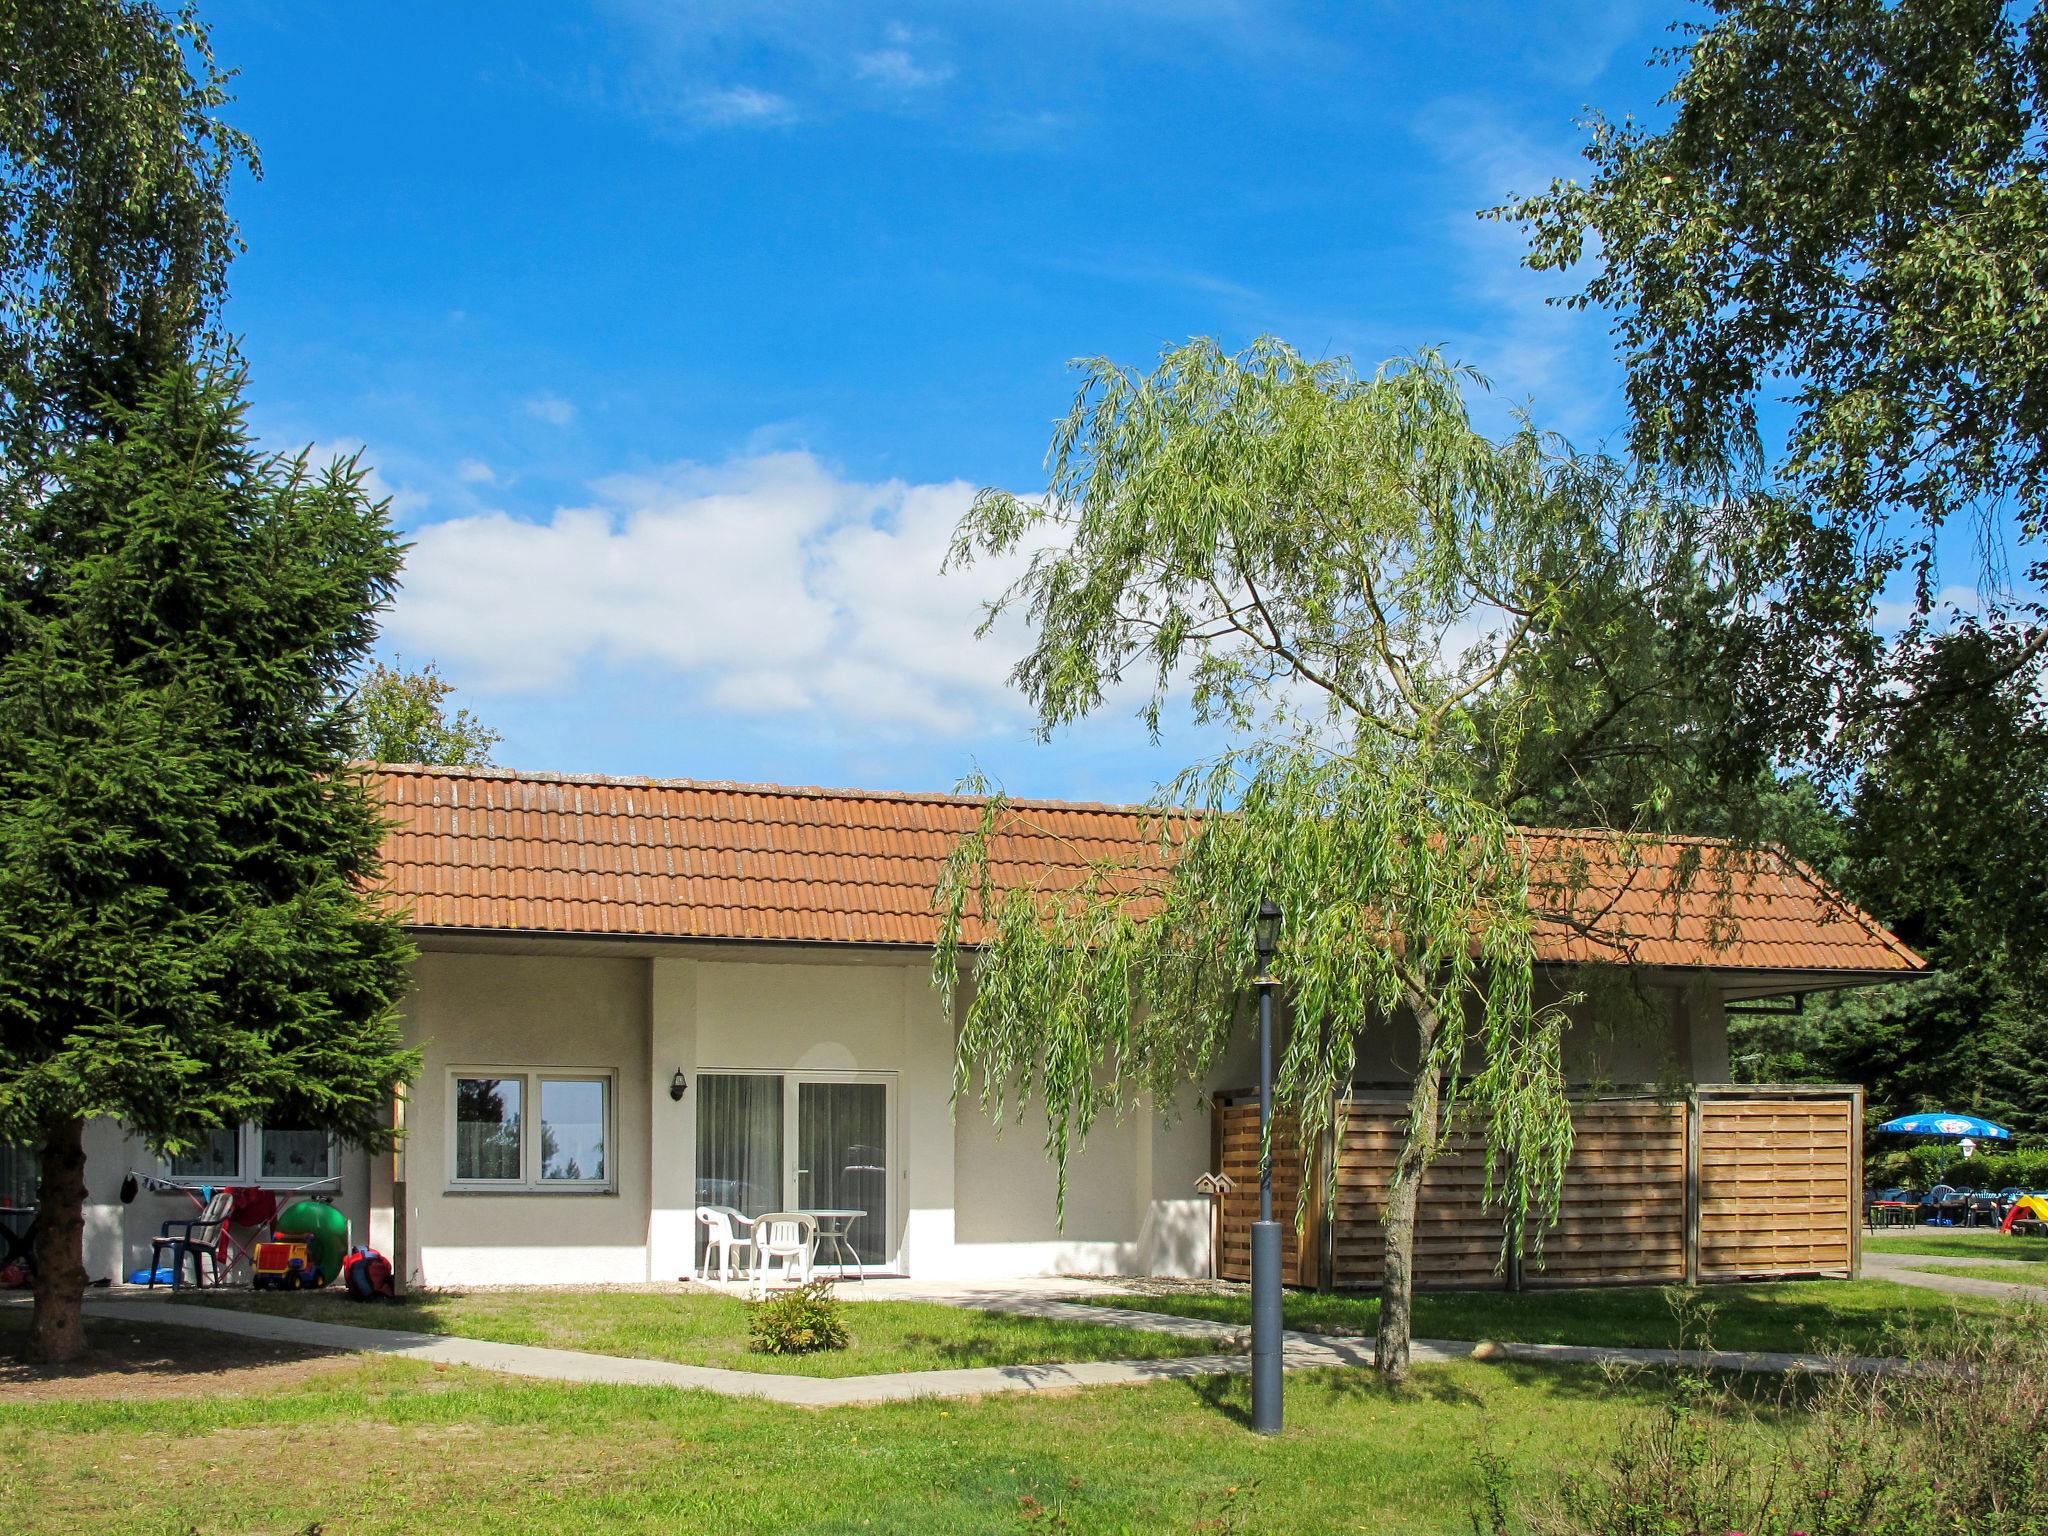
519,1012
970,1200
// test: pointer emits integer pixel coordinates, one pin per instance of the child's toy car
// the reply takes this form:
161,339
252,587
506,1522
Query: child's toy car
285,1264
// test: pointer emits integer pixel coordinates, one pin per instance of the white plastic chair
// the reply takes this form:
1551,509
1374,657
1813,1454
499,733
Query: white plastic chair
789,1236
722,1232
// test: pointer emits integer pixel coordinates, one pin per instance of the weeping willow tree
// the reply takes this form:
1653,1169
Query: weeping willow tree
1395,616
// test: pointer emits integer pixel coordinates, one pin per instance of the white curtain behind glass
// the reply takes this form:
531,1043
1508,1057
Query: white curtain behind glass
739,1141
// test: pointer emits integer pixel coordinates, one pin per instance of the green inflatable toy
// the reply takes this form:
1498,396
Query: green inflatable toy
326,1234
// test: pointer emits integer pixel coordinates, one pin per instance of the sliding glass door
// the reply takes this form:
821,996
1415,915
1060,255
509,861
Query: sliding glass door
804,1141
842,1133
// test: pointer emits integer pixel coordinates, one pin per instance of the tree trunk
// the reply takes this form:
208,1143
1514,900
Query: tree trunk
1397,1266
56,1334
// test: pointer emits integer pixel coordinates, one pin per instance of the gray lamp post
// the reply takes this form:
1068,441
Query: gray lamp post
1266,1362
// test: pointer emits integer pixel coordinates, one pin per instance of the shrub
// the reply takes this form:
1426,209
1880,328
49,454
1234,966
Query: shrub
798,1321
1950,1445
1923,1167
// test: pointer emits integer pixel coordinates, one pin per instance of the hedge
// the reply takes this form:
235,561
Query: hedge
1923,1167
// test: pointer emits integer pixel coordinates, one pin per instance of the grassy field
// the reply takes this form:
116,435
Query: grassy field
1959,1243
696,1328
1795,1315
378,1445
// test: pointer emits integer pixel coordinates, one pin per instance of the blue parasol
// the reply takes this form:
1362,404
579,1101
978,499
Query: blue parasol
1947,1127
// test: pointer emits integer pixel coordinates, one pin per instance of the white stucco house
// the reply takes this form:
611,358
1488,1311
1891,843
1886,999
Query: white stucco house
634,995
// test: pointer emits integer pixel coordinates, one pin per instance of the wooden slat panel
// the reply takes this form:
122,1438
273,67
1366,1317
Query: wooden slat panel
1621,1217
1777,1180
1239,1135
1777,1186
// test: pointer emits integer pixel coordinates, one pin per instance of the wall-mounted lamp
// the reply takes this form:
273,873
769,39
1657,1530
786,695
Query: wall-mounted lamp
677,1087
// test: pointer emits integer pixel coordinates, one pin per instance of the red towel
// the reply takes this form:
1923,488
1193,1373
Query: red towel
253,1207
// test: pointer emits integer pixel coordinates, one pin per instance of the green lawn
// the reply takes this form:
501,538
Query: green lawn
698,1328
381,1446
1959,1243
1792,1315
2009,1274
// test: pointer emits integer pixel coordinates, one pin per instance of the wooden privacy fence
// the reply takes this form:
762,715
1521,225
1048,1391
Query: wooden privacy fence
1729,1183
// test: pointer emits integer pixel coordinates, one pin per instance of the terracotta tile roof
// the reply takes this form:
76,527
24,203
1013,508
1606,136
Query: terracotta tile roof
492,850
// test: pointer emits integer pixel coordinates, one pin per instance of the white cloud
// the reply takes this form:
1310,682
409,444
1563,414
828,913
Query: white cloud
765,586
1900,607
406,500
475,472
1529,348
897,68
741,106
550,408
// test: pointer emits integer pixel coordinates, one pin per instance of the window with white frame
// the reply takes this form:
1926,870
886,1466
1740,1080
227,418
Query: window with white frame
539,1128
279,1154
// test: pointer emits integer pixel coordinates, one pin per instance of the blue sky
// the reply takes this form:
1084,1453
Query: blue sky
680,333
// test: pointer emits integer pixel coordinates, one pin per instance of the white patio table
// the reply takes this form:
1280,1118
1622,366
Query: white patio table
832,1229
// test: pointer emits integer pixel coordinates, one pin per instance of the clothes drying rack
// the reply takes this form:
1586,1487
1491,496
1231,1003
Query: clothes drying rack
243,1251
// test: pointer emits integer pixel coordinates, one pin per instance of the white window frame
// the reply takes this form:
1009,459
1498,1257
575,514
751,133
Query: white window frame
248,1172
530,1181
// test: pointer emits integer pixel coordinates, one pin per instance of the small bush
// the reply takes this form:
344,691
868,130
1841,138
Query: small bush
798,1321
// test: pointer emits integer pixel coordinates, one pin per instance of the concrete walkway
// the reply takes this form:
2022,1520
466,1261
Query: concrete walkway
1898,1267
1301,1351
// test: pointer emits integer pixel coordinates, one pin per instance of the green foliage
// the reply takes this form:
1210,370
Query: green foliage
183,938
1957,785
1407,626
1846,201
1134,983
402,717
798,1321
1922,1167
114,233
1950,1446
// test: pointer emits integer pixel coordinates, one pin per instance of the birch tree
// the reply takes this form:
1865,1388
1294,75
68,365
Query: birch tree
1394,617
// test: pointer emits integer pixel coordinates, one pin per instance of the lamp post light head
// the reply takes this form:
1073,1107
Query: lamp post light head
1266,936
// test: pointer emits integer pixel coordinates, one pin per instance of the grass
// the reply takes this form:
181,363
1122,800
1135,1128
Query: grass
1959,1243
389,1445
2008,1274
1857,1315
697,1328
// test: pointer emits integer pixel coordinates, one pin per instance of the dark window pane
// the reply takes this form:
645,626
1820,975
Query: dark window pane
293,1152
487,1127
217,1156
843,1159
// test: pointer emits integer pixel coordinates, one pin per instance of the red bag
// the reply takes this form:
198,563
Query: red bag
367,1275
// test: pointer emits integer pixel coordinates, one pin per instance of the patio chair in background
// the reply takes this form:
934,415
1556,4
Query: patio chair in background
723,1232
789,1236
196,1238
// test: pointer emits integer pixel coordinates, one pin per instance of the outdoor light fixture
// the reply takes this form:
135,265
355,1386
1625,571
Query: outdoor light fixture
1266,937
1266,1362
678,1086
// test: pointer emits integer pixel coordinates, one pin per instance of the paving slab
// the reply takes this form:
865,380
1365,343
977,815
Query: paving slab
1898,1267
